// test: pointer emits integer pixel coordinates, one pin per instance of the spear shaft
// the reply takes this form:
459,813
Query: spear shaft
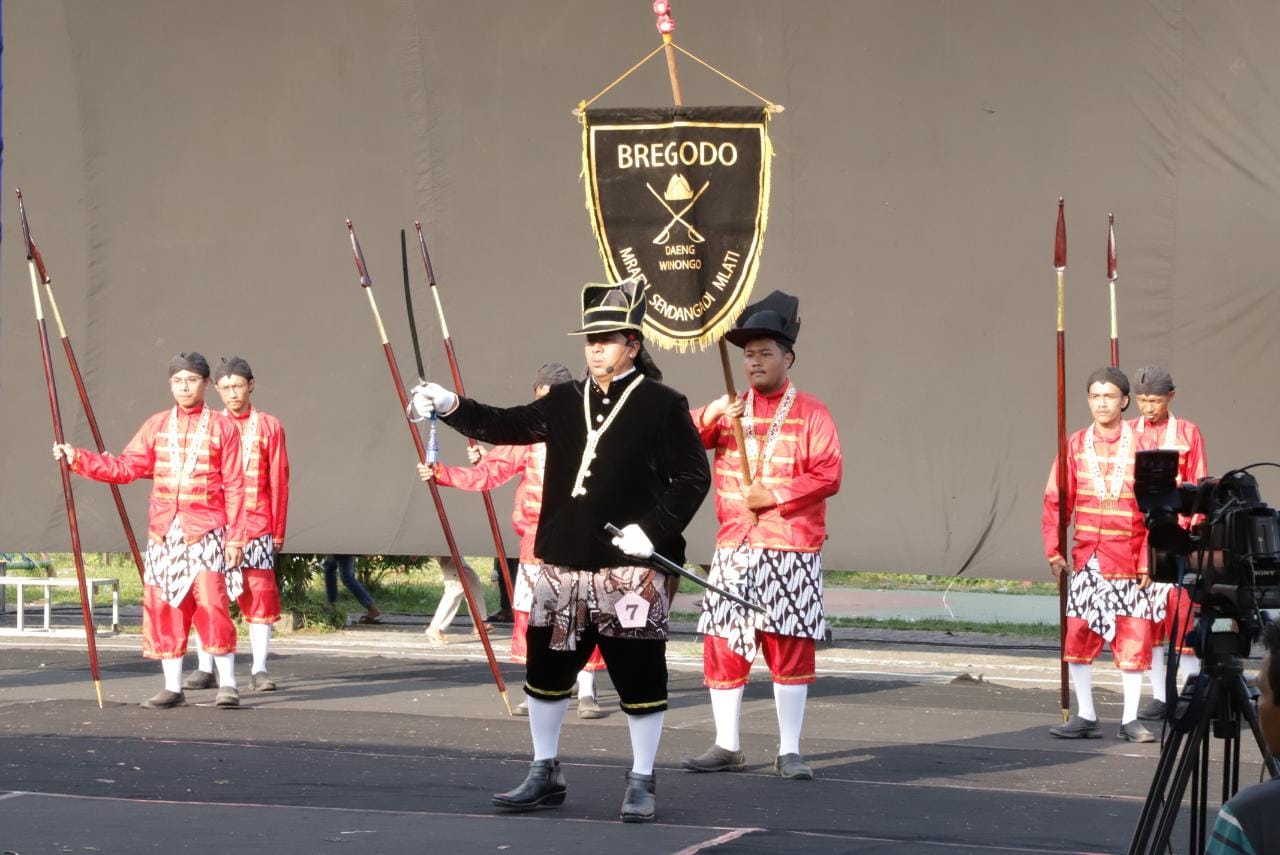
477,616
1060,267
504,573
1111,285
81,390
42,333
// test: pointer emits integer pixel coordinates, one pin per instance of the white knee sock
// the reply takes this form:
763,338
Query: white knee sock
789,699
646,731
226,664
172,674
1156,674
545,718
1132,681
204,659
586,684
1187,665
726,705
259,642
1082,682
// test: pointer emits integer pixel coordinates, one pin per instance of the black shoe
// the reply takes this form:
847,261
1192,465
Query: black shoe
1153,710
793,767
501,616
164,700
588,708
543,787
716,759
521,709
638,803
228,698
200,680
1135,731
261,682
1077,728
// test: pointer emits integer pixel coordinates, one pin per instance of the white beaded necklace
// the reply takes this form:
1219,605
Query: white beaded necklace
181,463
775,429
1170,431
248,441
594,434
1109,494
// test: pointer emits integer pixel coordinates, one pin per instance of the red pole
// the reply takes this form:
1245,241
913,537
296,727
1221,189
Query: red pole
1060,266
477,614
42,333
504,572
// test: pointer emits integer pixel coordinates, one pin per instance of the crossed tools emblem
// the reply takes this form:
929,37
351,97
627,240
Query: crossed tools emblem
678,190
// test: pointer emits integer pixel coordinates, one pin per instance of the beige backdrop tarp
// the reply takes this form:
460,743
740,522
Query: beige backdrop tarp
188,167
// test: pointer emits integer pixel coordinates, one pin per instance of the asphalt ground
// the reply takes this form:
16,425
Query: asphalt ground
377,742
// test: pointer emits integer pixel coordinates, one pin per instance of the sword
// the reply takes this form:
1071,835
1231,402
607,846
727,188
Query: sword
665,234
666,565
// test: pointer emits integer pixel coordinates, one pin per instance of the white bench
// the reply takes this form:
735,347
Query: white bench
22,583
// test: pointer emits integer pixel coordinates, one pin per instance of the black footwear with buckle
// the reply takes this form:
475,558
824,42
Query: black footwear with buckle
1153,710
543,787
1135,731
638,802
793,767
164,700
200,680
588,708
1077,728
228,698
716,759
261,682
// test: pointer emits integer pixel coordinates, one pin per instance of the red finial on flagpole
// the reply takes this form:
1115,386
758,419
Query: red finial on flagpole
1111,247
1060,240
665,23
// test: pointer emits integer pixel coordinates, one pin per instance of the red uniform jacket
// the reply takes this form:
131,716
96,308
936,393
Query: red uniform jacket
210,497
804,469
1117,535
1192,463
500,465
266,476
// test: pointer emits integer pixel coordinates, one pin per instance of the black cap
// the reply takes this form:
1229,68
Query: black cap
777,316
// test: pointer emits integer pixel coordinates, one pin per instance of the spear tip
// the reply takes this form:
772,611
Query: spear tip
19,190
417,224
349,226
1060,239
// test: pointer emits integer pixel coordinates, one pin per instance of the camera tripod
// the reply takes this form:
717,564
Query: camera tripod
1214,702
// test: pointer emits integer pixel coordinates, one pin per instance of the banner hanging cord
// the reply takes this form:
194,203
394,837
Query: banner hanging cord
580,112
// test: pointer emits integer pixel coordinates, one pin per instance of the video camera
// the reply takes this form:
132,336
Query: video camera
1236,544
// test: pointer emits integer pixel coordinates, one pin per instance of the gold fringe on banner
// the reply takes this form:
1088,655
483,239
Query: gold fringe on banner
708,337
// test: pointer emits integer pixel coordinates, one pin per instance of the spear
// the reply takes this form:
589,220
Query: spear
666,26
477,616
1111,284
79,381
1060,267
42,333
504,572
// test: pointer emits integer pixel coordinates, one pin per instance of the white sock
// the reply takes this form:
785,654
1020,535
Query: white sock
726,704
204,660
545,718
1189,664
172,674
789,699
1156,674
1132,681
226,664
1082,682
259,642
646,731
586,684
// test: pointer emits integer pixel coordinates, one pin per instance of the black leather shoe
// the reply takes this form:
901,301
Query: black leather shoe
1134,731
638,803
1153,710
228,698
1077,728
716,759
164,700
261,682
200,680
792,767
543,787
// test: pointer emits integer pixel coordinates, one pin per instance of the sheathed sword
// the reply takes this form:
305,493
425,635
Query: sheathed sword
666,565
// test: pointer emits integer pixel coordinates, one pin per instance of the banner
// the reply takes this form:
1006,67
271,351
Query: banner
679,197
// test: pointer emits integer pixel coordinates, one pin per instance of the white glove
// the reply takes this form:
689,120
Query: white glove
428,399
634,542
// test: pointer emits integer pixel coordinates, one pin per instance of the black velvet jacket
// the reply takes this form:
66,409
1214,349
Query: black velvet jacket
650,466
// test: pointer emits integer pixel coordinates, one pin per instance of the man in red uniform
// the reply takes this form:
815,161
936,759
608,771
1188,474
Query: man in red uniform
1157,428
491,471
266,504
194,527
771,534
1107,598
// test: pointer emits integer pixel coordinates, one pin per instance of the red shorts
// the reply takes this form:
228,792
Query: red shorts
1130,648
260,600
520,644
791,661
206,607
1177,610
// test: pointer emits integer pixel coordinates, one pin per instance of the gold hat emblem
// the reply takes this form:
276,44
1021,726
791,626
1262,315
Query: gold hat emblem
678,189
